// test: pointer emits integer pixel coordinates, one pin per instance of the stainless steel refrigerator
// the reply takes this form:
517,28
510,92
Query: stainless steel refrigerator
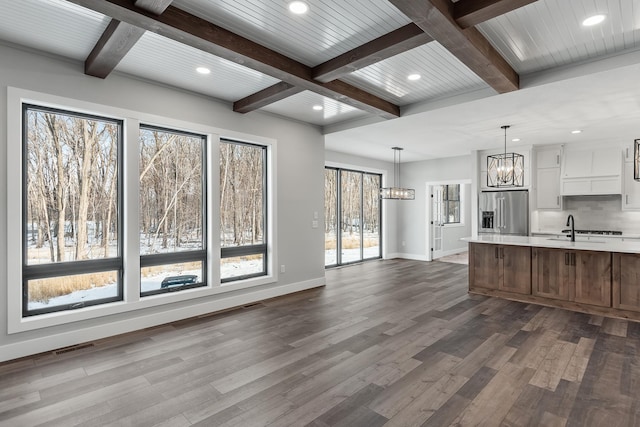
504,212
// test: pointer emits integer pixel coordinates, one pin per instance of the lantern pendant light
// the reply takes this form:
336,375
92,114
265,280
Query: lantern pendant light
397,192
505,169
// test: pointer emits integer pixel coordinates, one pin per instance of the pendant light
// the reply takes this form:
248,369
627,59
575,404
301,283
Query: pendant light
397,192
505,169
636,159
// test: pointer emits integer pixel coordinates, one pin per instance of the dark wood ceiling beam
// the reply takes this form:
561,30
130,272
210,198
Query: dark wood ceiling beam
435,17
114,43
468,13
117,40
275,93
191,30
386,46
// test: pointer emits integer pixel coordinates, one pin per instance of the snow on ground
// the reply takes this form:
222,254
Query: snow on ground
229,269
149,283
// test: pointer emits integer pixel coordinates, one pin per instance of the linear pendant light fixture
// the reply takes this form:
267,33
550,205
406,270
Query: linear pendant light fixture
636,159
505,169
397,192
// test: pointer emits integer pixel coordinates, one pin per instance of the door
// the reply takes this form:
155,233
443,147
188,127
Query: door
351,214
552,273
516,265
485,265
548,188
626,281
514,212
593,278
330,217
488,219
437,221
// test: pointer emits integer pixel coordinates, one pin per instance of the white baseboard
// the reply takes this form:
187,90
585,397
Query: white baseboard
79,336
452,252
414,257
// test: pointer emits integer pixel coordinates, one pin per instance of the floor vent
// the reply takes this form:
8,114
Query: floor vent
72,348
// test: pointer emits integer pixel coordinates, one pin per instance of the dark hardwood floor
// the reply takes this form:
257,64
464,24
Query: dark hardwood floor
396,343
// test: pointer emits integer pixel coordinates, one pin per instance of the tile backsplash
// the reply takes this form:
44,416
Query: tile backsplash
590,213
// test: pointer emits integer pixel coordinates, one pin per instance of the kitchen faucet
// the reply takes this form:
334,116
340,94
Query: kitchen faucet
571,221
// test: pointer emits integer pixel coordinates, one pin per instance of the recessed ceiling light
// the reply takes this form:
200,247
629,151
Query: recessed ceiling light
298,7
414,76
318,107
593,20
203,70
576,131
516,140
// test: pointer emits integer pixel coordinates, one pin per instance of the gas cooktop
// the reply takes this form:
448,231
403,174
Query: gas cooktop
599,232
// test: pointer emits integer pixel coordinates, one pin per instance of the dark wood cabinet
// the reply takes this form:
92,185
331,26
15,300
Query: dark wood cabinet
551,273
500,267
592,278
583,277
626,281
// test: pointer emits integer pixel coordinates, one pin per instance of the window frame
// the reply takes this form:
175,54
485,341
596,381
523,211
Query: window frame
182,256
445,205
131,302
259,249
76,267
339,168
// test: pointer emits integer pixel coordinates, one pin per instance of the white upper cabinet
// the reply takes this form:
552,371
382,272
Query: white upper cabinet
548,158
631,190
548,178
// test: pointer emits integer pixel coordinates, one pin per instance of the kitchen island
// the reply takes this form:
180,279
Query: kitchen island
600,278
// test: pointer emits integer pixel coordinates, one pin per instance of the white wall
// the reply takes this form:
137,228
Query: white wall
300,164
412,217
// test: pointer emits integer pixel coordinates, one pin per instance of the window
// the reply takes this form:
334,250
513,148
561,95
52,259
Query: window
72,204
352,216
172,228
242,210
451,204
114,211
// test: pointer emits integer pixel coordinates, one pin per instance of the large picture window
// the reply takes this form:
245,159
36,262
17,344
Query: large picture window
117,210
72,204
243,185
172,227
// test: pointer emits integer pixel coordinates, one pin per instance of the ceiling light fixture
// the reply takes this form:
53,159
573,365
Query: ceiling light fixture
397,192
505,169
203,70
575,132
413,77
515,140
593,20
318,107
298,7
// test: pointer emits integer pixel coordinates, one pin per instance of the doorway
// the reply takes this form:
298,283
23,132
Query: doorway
352,216
448,218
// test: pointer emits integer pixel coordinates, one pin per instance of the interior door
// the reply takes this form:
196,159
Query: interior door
437,221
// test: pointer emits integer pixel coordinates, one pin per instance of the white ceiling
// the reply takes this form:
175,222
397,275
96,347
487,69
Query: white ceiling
571,76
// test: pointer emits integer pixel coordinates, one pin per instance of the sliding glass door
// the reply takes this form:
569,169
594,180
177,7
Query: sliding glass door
352,216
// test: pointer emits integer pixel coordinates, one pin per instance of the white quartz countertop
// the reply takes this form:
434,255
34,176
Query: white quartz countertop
546,242
624,235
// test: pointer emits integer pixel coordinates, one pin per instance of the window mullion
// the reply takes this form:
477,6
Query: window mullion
131,201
